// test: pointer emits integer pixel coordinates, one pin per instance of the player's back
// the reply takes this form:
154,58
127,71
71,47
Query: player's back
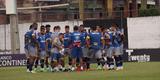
76,39
95,40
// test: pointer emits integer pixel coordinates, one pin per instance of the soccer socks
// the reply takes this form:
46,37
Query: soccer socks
98,62
117,61
42,63
46,62
27,63
110,62
30,66
36,63
121,60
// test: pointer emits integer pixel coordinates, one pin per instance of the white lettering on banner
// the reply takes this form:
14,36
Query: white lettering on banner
13,62
139,58
6,57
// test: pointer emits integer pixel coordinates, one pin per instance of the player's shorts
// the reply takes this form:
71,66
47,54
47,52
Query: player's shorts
32,51
76,52
93,53
55,56
48,53
109,52
26,52
67,51
85,51
113,51
121,49
42,54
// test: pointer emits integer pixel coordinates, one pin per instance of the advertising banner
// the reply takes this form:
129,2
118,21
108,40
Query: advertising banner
12,60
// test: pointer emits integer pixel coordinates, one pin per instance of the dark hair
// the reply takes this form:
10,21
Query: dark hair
42,27
81,25
75,28
114,25
55,27
66,26
30,27
48,25
58,27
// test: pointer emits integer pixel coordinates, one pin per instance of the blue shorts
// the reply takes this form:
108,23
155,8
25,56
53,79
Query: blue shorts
55,56
76,52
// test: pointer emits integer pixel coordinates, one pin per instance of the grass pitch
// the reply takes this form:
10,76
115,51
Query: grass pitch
132,71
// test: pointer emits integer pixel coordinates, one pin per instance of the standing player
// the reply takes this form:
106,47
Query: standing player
48,44
27,39
42,47
76,52
85,48
119,37
95,46
32,47
67,45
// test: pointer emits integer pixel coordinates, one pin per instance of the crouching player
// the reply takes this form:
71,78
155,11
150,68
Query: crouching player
42,47
76,51
57,60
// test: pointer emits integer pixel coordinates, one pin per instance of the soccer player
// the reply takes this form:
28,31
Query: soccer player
26,47
95,46
57,46
36,33
85,48
114,48
76,51
32,47
67,45
48,44
119,38
42,47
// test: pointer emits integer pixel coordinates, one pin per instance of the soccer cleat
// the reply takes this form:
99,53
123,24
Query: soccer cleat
33,71
56,69
42,70
82,68
99,68
121,67
118,68
73,69
27,70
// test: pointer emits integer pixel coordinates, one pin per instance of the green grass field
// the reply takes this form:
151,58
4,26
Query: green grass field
132,71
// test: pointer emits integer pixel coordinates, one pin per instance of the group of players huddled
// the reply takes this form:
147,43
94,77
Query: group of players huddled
49,50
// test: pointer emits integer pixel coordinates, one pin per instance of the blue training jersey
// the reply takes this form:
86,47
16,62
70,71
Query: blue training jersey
76,39
27,39
48,38
67,40
114,38
95,40
42,41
